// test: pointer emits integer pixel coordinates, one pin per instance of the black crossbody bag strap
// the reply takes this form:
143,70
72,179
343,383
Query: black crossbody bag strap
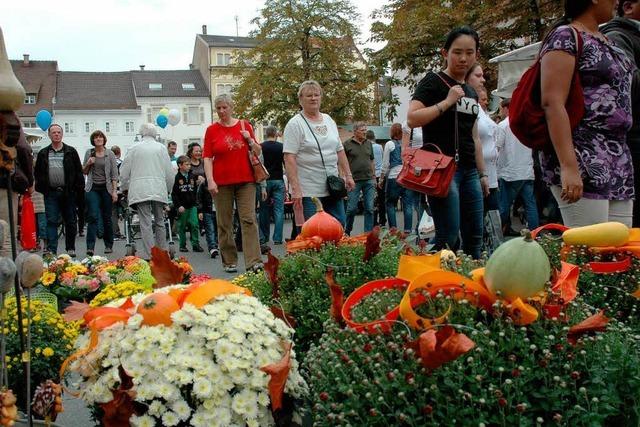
319,149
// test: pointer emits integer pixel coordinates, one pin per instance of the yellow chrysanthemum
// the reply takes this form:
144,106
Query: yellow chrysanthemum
48,278
48,352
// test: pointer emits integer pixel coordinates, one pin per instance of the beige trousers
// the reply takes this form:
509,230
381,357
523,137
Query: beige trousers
244,196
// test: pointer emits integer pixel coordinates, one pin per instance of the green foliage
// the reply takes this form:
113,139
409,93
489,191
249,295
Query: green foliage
415,30
304,40
52,342
514,376
304,292
610,292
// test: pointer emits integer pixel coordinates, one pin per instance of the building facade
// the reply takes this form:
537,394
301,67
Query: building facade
183,90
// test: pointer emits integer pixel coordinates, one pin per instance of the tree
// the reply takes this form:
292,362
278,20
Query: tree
416,29
302,40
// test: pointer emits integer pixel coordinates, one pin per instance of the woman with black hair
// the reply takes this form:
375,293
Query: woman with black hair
443,101
194,152
589,170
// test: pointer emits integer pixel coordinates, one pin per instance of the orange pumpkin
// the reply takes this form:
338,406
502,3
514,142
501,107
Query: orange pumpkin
156,309
323,225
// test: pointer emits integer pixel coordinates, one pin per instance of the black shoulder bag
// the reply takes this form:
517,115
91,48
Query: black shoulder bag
335,184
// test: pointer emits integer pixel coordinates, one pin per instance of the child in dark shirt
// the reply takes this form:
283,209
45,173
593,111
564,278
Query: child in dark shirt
207,214
183,196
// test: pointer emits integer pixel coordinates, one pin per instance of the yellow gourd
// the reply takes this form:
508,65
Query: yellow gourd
603,234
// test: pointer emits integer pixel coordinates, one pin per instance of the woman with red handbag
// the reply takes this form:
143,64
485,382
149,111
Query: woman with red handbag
230,180
589,169
447,110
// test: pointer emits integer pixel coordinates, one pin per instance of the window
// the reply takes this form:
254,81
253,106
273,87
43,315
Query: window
29,124
224,88
152,113
129,127
188,86
223,59
89,127
69,128
30,98
110,127
155,86
193,115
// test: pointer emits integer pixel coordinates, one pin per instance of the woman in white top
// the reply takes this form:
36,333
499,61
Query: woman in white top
391,166
304,134
487,131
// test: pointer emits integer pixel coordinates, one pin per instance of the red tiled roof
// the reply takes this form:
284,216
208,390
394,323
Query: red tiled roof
37,77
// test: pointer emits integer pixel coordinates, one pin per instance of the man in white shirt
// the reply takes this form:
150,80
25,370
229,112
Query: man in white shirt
515,174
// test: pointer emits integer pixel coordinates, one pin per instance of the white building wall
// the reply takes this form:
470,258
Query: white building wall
120,127
194,120
404,96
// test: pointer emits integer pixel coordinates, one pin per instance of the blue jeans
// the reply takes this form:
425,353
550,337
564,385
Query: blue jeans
275,201
460,213
334,207
210,229
509,190
99,204
60,206
41,222
393,193
368,189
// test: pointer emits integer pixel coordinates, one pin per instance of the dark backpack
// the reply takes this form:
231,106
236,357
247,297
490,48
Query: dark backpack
526,116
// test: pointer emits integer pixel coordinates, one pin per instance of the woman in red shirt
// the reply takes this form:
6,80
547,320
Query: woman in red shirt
230,180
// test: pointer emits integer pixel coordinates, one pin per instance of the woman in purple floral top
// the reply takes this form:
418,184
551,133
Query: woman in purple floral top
590,172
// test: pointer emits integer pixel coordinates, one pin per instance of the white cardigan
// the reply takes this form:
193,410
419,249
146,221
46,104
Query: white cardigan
147,173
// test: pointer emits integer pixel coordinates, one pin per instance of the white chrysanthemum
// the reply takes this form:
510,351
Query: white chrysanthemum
156,408
213,355
199,419
142,421
182,410
170,419
202,388
135,322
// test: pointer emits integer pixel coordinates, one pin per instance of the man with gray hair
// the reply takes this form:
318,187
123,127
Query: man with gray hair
58,175
146,174
273,194
359,153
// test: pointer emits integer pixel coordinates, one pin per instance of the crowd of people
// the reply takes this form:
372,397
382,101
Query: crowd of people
587,174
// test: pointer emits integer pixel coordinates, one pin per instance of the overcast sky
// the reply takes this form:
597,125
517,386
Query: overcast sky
117,35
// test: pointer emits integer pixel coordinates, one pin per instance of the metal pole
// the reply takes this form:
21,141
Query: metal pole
14,253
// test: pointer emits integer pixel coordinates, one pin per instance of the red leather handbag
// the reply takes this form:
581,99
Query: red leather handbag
527,118
427,172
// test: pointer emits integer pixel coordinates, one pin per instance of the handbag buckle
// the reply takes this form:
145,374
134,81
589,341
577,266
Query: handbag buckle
417,170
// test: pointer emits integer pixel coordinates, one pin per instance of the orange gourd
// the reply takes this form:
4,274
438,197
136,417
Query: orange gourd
156,309
203,294
323,225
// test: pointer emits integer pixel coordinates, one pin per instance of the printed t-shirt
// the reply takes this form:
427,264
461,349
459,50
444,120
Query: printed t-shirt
441,131
230,153
298,139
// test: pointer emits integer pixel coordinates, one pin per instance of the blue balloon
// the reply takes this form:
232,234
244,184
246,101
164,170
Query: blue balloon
43,119
162,121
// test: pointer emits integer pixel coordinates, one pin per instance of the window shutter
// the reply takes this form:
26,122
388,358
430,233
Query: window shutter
201,115
185,115
149,119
